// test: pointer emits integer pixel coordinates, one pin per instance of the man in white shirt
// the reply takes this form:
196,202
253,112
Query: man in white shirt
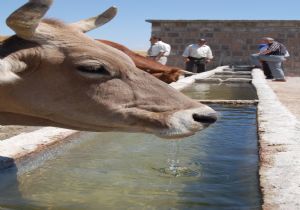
158,50
197,55
166,46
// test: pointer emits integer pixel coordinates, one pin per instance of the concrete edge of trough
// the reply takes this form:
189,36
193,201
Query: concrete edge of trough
279,147
234,102
24,144
187,81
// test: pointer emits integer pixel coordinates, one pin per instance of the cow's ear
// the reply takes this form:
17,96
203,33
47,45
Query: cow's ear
95,22
9,69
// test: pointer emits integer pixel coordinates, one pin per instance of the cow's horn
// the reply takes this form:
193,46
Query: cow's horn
94,22
26,19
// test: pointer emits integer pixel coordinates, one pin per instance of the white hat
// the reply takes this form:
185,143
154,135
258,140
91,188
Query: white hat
268,38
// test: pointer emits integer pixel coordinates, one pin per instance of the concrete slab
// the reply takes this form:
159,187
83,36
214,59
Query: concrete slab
279,140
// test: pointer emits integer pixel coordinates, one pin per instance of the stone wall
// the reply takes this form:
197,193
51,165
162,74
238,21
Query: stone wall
232,41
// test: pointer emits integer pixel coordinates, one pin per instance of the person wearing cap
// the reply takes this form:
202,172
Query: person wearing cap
158,50
274,55
197,55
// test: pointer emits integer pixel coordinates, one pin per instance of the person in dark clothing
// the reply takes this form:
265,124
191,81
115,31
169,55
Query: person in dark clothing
266,69
264,65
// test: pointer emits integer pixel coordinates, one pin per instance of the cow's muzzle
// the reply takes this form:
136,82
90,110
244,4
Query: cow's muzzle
187,122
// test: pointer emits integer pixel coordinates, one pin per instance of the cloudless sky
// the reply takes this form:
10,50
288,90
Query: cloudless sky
129,27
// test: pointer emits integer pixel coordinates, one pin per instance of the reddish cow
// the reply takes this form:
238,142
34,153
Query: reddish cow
167,74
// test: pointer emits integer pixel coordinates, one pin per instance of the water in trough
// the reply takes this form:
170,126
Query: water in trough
214,169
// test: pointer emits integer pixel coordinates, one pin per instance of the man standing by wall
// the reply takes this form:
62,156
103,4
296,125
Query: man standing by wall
197,55
158,50
274,55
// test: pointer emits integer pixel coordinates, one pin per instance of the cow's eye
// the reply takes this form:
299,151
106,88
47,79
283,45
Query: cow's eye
99,70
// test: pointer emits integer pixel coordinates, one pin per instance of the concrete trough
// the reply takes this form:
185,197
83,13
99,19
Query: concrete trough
209,80
228,80
232,76
233,73
279,142
242,68
237,80
232,102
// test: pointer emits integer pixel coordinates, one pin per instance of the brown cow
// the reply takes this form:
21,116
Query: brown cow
167,74
51,73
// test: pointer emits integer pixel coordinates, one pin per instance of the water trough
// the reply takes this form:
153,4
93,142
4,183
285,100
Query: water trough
274,156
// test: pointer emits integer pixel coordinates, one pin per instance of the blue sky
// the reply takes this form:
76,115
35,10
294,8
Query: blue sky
129,26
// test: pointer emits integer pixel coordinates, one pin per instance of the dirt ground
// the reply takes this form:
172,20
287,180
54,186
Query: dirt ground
288,94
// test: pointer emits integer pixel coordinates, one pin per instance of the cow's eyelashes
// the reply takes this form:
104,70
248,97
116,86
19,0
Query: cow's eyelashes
93,70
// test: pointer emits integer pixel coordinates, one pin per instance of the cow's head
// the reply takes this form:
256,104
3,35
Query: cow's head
52,72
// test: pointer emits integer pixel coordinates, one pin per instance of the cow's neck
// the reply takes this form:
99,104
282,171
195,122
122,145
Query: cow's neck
7,118
7,103
12,111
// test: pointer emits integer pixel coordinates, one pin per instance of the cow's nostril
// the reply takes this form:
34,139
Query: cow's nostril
210,118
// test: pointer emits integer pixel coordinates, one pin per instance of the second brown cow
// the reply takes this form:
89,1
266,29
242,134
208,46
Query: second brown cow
167,74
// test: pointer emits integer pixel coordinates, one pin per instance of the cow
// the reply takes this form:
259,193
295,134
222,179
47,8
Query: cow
165,73
51,73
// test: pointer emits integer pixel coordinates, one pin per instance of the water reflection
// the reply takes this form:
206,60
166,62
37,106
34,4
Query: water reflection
216,169
221,91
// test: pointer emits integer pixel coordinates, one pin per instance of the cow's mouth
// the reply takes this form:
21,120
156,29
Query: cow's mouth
187,122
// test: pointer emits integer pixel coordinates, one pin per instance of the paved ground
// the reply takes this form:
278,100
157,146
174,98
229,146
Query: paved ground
288,94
